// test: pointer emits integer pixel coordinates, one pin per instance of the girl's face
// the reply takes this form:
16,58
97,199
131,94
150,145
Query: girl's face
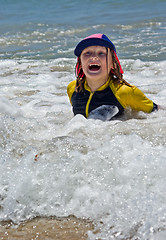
96,63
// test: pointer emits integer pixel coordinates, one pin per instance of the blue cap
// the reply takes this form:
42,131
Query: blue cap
94,40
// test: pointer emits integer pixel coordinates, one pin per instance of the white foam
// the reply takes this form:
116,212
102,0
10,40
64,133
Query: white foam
6,107
54,164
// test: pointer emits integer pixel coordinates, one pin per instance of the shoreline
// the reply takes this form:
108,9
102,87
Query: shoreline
42,228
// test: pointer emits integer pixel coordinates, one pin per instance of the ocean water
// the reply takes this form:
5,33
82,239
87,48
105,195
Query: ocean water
54,164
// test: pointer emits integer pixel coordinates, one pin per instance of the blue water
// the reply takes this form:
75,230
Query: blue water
112,173
77,13
40,29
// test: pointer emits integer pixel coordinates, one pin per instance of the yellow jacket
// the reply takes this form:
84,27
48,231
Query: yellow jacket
111,93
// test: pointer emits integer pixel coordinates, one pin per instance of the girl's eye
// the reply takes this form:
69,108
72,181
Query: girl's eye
88,53
102,53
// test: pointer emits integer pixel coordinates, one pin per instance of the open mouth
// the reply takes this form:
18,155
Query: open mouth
94,67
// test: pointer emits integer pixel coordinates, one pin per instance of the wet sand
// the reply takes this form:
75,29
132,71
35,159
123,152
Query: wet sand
70,228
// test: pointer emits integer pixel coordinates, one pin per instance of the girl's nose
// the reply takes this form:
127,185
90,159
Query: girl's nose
94,55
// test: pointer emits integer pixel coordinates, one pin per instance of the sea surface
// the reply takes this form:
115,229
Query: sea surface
112,173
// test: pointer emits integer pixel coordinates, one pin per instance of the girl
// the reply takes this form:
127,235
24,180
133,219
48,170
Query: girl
100,87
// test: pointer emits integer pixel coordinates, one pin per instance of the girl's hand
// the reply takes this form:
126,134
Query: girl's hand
161,107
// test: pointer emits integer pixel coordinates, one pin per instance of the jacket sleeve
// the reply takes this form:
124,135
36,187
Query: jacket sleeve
135,98
71,89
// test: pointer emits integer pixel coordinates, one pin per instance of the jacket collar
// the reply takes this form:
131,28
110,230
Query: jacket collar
100,88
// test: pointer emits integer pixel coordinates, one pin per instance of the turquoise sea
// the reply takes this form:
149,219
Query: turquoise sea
54,164
40,29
